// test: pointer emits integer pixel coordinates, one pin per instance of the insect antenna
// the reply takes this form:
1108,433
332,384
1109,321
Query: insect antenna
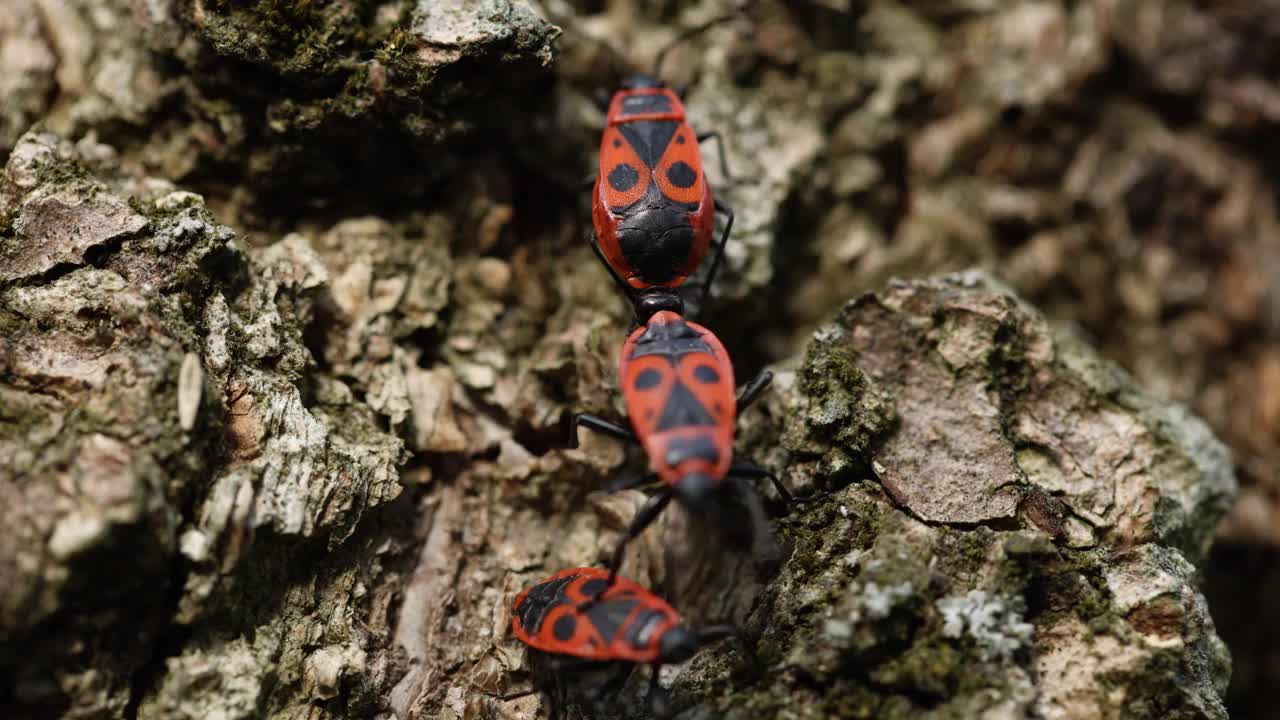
695,31
712,633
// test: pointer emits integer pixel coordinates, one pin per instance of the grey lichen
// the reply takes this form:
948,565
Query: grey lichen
895,603
993,622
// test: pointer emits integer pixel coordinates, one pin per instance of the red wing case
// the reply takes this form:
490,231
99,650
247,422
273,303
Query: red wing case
626,623
678,386
651,207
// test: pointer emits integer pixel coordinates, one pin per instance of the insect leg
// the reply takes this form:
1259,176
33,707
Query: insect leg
753,389
715,262
559,698
513,695
643,519
755,472
571,665
617,680
760,531
617,279
632,481
724,162
711,633
589,181
600,425
687,34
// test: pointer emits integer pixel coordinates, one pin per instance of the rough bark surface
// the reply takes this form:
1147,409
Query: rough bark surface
294,307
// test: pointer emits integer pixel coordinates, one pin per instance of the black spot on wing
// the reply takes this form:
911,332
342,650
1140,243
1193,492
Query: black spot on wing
648,379
594,587
649,138
682,175
706,374
682,409
564,627
623,177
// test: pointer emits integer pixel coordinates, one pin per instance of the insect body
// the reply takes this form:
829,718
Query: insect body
677,384
652,207
678,387
626,625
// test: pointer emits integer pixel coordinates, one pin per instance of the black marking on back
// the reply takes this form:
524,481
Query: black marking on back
608,616
706,374
638,633
594,587
564,627
623,177
697,447
641,104
649,138
682,409
682,175
655,236
671,340
540,600
648,379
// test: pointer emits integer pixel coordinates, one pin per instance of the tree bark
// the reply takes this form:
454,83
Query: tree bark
294,309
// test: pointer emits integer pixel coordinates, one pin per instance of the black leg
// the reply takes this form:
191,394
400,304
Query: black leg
691,32
589,181
715,261
617,680
630,481
512,696
669,590
626,290
753,471
753,389
561,665
643,519
712,633
724,162
760,530
599,424
601,98
559,699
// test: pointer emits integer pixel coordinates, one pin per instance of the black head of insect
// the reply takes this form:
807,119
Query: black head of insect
678,644
640,81
655,300
696,490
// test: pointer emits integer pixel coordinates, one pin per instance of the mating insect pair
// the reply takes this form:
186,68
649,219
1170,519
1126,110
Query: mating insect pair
653,214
